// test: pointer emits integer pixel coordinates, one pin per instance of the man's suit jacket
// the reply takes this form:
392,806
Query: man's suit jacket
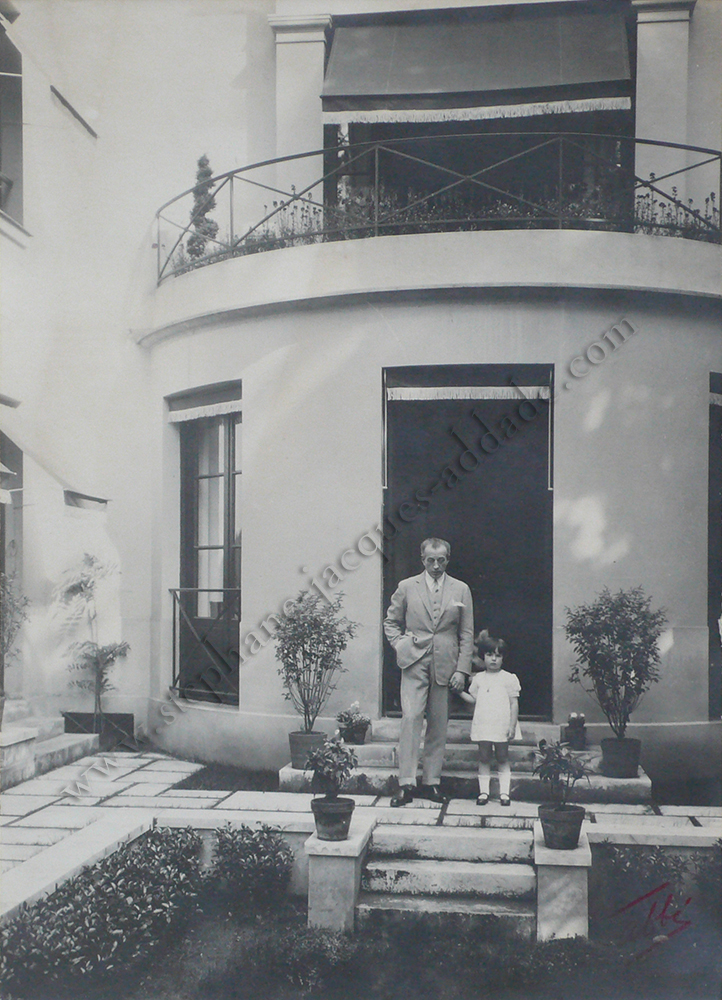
410,629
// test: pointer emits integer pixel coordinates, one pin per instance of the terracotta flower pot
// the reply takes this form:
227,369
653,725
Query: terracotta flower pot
301,744
620,758
561,825
333,817
355,735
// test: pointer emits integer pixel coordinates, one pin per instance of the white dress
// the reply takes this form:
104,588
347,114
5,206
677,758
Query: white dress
492,712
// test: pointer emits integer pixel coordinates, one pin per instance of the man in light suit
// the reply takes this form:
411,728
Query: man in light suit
430,624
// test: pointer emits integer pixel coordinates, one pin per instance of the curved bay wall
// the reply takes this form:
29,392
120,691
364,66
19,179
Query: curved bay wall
630,441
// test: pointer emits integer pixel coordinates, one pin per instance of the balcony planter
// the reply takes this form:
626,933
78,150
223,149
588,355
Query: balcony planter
332,765
620,757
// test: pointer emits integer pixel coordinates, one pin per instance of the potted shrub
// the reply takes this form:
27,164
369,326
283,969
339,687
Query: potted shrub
561,821
616,639
310,638
353,724
75,611
331,764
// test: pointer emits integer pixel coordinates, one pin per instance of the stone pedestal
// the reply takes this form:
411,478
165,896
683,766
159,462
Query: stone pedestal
334,876
562,893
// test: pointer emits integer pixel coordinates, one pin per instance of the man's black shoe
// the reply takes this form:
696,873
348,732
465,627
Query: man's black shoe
433,793
402,798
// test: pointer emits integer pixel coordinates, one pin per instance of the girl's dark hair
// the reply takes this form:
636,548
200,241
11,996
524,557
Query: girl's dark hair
486,643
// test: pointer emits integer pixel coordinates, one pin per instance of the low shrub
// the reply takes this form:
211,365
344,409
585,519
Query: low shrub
707,867
636,890
252,868
109,918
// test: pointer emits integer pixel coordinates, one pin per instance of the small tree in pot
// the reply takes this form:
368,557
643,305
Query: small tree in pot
561,822
309,641
616,639
331,764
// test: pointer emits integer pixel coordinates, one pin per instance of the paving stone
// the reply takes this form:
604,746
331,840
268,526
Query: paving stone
169,764
38,786
6,819
212,819
412,816
639,822
96,786
711,822
698,811
155,777
146,788
20,805
467,807
31,835
151,802
70,817
282,801
637,809
190,793
19,852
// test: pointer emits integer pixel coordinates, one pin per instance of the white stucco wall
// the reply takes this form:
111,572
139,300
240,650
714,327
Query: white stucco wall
630,456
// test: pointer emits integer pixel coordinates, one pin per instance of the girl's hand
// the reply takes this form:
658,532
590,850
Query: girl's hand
511,733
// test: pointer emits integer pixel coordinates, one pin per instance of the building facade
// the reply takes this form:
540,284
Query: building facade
456,272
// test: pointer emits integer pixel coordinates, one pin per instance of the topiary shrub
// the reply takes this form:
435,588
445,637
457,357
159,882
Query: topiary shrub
109,918
252,868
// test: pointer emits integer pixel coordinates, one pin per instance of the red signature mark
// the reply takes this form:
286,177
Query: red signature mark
661,916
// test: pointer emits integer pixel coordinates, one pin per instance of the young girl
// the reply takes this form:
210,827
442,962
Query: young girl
495,693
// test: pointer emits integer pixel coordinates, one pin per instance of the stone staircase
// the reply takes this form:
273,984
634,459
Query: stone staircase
378,762
36,744
479,880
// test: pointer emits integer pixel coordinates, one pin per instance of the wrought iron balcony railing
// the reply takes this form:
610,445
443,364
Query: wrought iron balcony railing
429,184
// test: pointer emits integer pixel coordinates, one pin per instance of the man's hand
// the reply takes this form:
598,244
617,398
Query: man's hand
457,681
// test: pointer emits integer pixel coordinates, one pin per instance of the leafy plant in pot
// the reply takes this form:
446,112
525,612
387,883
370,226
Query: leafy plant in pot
561,821
353,724
616,639
310,638
75,610
331,764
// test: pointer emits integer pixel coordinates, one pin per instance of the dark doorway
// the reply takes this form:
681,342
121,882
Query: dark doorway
496,513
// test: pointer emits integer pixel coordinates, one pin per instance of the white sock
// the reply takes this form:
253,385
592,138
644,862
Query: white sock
484,778
504,771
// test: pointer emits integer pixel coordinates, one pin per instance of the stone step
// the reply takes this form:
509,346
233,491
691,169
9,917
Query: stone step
63,749
421,877
387,730
452,844
458,783
461,756
493,918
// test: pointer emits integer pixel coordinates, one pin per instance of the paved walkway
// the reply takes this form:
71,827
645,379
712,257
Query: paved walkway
44,811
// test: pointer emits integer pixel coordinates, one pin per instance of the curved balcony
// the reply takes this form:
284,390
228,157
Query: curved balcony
442,184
